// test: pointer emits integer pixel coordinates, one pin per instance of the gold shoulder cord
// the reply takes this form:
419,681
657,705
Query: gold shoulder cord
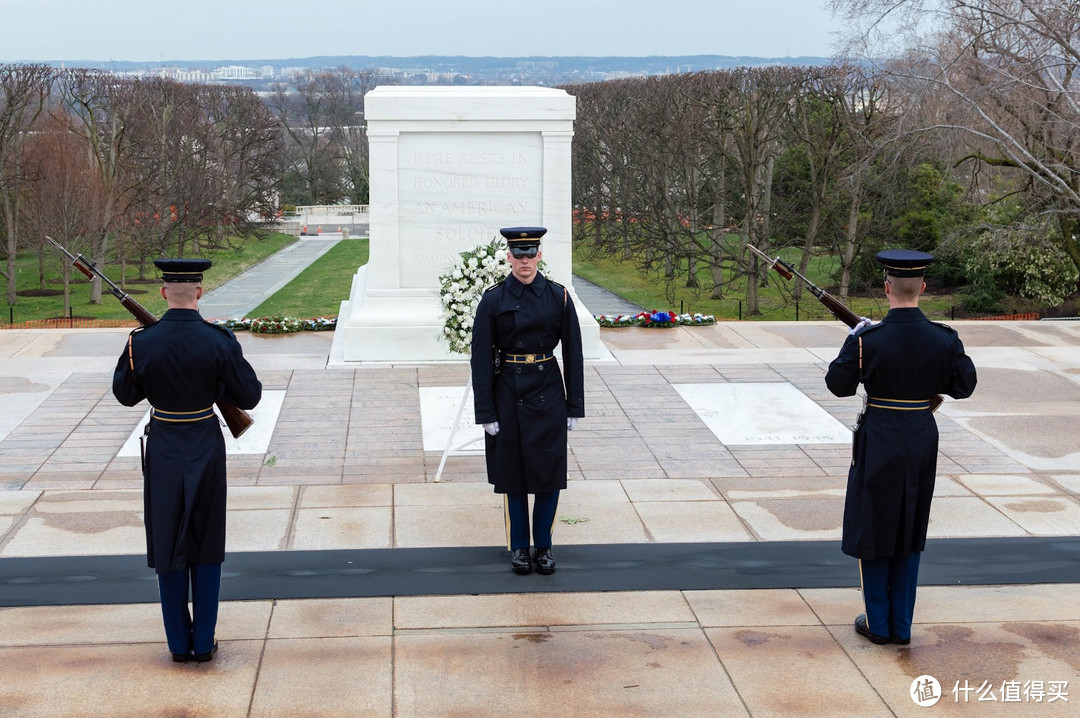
131,357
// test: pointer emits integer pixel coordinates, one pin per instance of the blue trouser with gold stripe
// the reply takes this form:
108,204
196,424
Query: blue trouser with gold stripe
543,519
190,632
888,586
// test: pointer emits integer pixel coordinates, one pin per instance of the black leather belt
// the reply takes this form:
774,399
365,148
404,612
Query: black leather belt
527,358
182,416
898,404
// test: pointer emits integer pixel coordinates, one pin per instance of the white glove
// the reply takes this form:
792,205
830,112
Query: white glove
492,428
864,323
571,423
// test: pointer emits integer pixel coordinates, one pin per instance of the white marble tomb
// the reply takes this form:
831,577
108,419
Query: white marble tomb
450,166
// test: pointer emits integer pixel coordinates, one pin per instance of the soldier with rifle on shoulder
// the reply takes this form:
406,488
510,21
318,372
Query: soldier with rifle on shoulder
903,362
182,365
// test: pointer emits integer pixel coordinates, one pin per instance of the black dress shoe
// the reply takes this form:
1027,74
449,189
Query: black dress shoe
900,641
545,562
863,630
204,657
521,563
181,657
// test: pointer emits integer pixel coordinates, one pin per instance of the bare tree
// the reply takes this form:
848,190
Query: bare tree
822,136
99,107
755,121
307,117
23,92
62,197
1009,67
863,109
350,130
249,146
604,160
203,161
167,166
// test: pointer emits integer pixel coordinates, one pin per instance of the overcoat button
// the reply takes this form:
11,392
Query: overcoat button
518,370
540,368
520,401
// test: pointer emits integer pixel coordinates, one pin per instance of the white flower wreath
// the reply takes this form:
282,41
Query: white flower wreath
462,285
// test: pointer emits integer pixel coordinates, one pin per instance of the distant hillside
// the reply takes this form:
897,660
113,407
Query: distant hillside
460,68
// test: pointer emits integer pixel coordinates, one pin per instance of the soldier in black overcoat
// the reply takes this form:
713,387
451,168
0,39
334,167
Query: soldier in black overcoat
182,365
520,395
904,362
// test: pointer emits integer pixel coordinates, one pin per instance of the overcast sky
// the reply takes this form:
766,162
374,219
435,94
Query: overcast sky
151,30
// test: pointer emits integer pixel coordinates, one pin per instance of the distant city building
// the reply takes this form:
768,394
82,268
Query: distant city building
235,72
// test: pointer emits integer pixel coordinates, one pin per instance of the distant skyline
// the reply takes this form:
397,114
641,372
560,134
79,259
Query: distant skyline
121,30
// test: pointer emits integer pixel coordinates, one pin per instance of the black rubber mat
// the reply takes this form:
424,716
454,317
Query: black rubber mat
72,580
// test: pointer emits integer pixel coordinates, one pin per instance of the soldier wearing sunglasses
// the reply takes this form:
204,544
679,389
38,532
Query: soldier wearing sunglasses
525,403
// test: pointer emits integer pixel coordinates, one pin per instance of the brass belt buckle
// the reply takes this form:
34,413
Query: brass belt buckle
530,358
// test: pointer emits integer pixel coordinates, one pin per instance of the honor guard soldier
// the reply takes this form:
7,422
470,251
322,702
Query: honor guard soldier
903,362
525,403
182,365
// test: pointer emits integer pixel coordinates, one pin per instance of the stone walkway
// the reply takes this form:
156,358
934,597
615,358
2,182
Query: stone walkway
344,469
600,301
239,296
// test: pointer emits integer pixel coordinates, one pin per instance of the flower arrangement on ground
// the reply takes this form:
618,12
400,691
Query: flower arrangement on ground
275,325
278,325
655,320
319,324
236,324
462,285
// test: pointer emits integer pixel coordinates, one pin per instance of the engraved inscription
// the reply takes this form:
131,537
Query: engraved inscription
458,189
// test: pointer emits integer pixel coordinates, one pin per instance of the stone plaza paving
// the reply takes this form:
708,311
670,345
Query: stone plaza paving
702,440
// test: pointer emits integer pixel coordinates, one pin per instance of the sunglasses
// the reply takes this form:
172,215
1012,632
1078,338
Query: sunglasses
521,252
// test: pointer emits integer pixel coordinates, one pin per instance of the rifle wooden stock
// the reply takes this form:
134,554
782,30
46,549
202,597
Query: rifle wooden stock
834,305
235,418
838,308
138,311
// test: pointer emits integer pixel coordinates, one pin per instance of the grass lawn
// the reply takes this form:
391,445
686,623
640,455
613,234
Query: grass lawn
774,300
227,264
320,289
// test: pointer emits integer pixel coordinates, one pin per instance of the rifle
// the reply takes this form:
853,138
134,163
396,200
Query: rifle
834,305
235,418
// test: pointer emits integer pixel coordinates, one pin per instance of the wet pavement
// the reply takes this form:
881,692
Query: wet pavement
697,576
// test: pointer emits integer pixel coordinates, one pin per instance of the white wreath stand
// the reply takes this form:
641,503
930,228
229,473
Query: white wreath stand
450,447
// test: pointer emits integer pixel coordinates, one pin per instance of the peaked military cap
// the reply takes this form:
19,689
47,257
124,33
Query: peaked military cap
523,237
905,262
182,270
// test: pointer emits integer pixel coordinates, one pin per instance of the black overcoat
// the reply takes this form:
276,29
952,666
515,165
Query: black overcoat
529,401
184,364
894,455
